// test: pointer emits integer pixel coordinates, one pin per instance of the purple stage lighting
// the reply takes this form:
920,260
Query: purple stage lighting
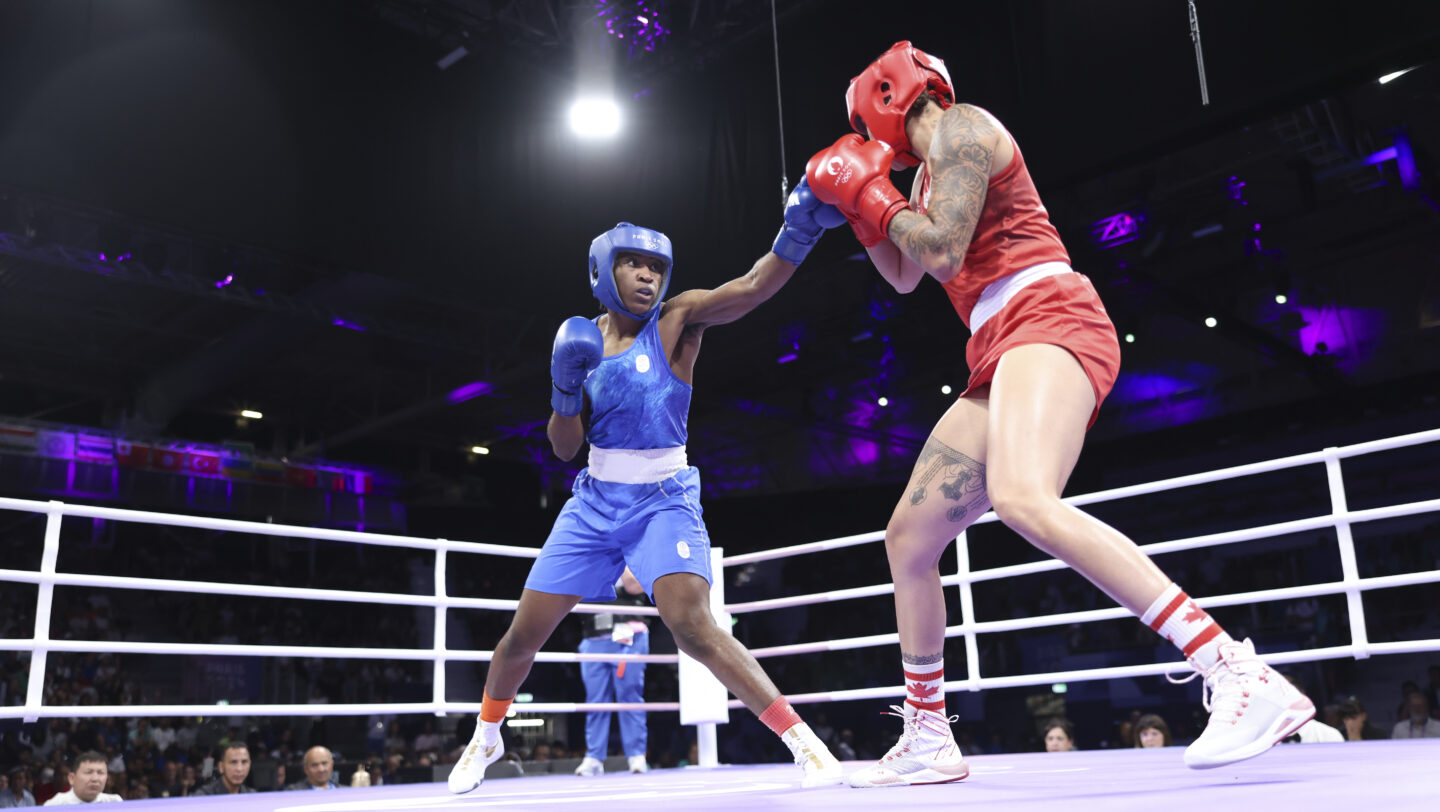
470,390
640,20
229,277
348,325
787,358
1117,229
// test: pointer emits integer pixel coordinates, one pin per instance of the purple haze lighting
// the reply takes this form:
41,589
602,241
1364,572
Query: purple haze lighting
102,256
229,277
1236,189
348,325
1386,154
470,390
1346,333
1405,162
1117,229
787,358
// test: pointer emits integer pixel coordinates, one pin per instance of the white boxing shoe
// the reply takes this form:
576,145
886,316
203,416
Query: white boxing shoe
590,767
925,754
638,764
1252,707
821,768
485,748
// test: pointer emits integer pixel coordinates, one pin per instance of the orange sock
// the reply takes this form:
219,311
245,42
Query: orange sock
780,717
493,710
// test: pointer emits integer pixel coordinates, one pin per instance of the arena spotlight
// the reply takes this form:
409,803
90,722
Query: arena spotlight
595,118
945,390
1281,298
1210,321
883,401
1129,338
251,414
479,449
1390,77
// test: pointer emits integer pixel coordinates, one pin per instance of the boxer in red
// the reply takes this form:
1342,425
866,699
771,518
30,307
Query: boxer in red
1043,356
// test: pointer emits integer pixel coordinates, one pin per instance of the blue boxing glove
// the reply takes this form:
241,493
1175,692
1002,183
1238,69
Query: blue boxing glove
578,350
806,218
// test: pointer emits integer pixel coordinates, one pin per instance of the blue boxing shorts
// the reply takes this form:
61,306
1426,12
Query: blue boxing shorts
655,528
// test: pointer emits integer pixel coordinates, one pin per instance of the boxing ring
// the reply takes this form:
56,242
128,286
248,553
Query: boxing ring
1398,772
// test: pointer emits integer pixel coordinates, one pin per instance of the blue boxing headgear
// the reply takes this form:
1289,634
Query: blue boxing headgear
627,238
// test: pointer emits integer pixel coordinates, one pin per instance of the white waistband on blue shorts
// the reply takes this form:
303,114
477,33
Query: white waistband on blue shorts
1002,290
636,466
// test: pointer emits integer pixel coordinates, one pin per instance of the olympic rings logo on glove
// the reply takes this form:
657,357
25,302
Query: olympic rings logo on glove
834,167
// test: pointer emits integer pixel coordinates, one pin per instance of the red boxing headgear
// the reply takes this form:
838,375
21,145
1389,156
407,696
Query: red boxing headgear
880,97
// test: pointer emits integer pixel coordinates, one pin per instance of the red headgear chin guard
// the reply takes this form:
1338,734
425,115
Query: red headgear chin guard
880,97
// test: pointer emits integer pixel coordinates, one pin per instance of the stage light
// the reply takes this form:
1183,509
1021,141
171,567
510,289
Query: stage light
1281,298
479,449
1129,338
251,413
945,390
883,401
1210,321
452,57
1390,77
595,118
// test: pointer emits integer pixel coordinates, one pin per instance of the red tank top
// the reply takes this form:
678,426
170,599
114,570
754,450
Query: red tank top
1013,234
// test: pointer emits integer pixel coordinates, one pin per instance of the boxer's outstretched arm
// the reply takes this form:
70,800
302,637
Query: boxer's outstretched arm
737,297
959,163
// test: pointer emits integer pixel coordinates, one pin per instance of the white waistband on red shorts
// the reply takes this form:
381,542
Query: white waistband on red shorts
636,466
1002,290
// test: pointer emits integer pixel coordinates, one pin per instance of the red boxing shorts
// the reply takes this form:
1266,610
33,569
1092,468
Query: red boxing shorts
1063,310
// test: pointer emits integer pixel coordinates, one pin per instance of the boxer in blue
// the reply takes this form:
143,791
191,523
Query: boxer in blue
638,501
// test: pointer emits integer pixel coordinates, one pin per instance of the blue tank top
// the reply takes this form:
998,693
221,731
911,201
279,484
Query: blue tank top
636,402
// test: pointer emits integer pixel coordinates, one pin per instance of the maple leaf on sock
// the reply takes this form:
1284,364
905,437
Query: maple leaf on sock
922,691
1194,613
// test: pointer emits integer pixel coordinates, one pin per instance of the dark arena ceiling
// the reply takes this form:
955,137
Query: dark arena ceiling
319,221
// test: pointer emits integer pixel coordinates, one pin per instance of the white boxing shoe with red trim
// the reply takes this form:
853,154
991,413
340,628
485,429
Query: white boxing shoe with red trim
925,754
1252,707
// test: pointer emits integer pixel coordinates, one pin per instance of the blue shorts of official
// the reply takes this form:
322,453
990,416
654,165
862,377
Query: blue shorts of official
655,528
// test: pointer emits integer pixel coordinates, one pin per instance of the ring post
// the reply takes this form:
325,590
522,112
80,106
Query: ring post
1349,571
44,596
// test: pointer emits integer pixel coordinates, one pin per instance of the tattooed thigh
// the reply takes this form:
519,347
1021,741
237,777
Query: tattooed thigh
948,475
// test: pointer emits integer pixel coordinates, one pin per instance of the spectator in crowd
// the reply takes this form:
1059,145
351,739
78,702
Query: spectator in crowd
1357,722
1151,731
171,783
394,739
845,750
88,775
1418,725
319,770
428,742
1059,735
233,769
17,794
1402,711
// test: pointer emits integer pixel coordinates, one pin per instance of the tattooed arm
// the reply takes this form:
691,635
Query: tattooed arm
959,161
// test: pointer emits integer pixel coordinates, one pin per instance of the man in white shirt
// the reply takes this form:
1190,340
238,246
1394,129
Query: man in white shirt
1419,725
87,782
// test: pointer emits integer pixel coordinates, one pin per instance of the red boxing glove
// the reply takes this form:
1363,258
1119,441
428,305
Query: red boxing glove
854,175
867,234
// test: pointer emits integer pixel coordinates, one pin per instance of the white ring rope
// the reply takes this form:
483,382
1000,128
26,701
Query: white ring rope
46,578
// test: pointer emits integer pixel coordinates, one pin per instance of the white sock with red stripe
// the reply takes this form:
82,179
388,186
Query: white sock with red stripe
925,686
1180,620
